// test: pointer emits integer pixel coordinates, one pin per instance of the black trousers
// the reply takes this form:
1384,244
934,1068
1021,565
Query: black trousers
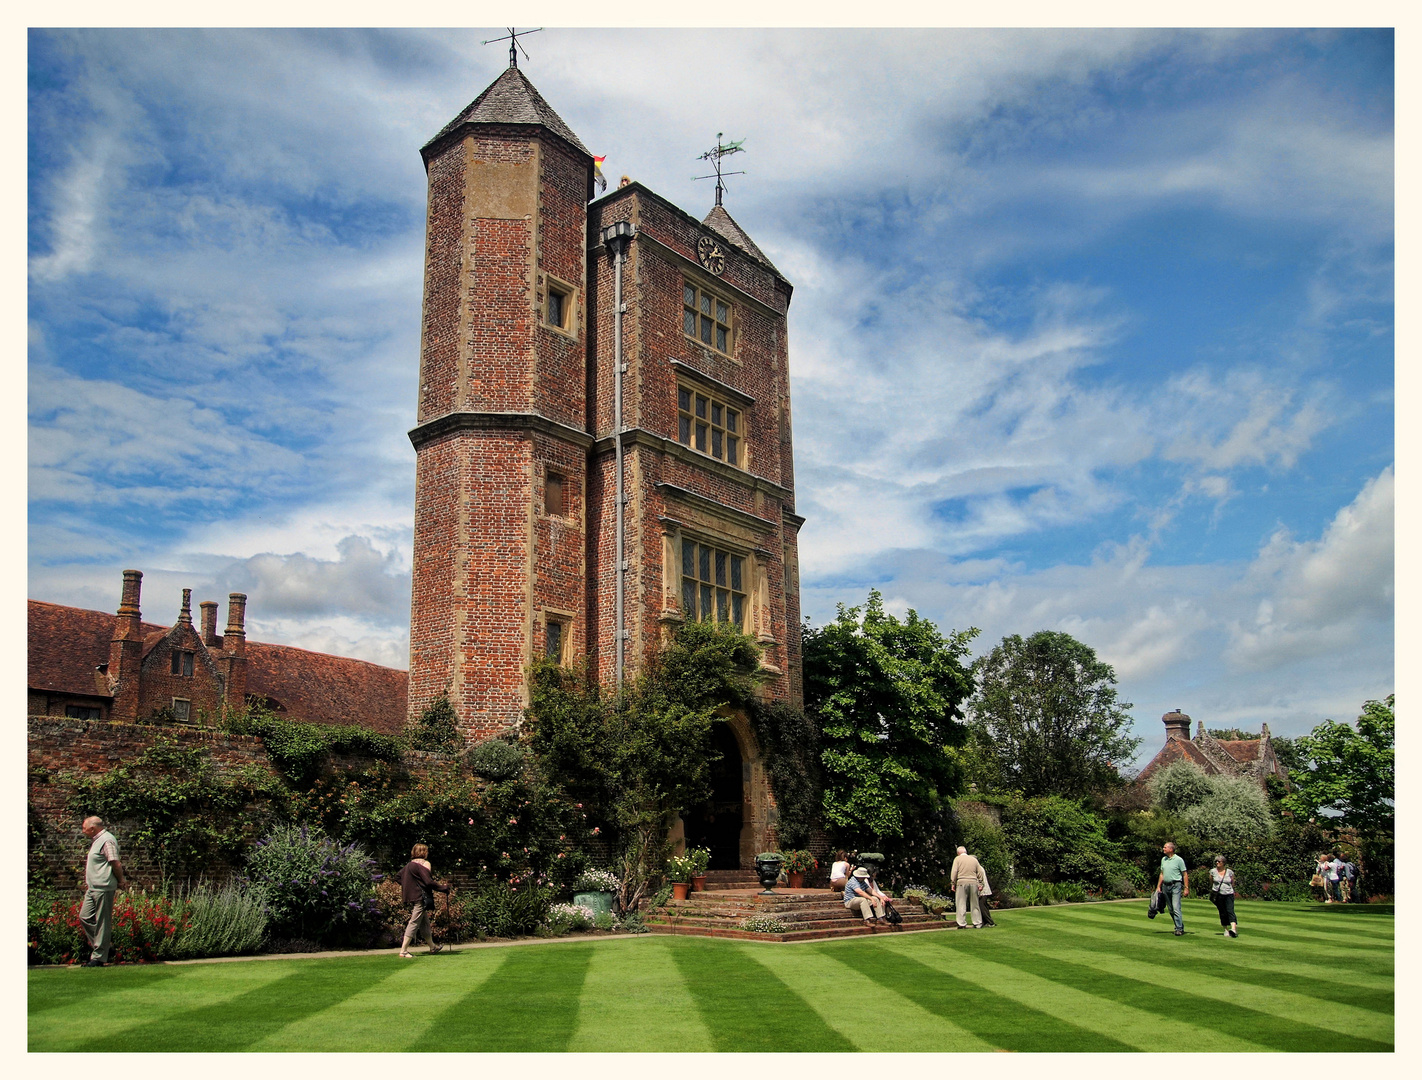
1225,903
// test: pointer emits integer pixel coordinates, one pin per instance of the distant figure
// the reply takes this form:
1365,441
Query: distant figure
418,887
1333,878
967,879
839,873
860,895
103,876
1222,893
1173,883
1350,883
983,894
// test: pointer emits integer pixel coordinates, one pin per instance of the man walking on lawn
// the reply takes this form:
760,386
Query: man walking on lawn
967,880
103,876
1173,883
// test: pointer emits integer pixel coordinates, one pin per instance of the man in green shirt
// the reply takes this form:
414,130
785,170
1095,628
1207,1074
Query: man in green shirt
1173,883
103,874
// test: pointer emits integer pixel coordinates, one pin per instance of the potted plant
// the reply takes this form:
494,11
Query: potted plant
679,869
767,868
872,861
595,890
798,863
700,858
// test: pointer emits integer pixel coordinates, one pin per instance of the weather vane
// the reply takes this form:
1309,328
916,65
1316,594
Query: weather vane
512,38
714,156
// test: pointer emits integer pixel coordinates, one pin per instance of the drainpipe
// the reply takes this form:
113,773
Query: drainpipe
616,238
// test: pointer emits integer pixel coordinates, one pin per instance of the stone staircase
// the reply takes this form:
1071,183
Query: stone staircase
733,895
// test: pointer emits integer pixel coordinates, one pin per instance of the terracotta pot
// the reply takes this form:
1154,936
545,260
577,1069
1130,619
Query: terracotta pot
679,889
797,878
698,884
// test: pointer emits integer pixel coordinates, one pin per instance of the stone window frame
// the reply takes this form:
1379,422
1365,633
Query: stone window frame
550,476
688,420
553,286
712,582
181,663
564,620
185,714
695,308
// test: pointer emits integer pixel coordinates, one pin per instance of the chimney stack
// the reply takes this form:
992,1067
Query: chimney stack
185,613
126,650
1177,725
234,646
209,623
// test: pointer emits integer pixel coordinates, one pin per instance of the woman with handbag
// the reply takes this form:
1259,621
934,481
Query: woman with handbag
1222,893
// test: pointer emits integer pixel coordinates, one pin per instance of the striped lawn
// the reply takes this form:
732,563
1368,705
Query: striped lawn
1080,977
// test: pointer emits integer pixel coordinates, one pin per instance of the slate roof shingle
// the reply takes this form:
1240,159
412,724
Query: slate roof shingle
512,99
724,224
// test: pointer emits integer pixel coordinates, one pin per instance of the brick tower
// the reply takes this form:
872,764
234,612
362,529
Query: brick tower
515,441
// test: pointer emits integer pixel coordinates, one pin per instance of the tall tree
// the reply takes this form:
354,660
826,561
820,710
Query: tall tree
1349,771
888,696
1045,717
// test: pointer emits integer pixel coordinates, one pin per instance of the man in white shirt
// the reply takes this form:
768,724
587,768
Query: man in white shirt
103,876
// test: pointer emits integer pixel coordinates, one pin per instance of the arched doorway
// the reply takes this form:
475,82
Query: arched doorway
717,823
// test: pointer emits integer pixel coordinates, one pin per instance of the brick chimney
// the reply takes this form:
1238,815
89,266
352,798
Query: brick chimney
185,613
209,623
126,650
1177,725
234,646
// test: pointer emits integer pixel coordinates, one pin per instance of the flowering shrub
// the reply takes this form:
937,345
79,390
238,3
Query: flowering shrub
799,862
315,888
596,881
451,921
765,924
226,921
679,868
55,936
700,859
145,927
565,918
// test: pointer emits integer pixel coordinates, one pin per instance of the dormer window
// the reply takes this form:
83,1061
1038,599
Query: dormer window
182,662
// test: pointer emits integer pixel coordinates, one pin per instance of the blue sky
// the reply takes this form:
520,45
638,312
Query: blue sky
1092,330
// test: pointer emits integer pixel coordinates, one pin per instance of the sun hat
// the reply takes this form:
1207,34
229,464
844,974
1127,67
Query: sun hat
861,873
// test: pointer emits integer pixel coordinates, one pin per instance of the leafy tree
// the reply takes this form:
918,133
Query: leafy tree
1045,717
1179,787
1058,839
1349,771
888,697
636,759
1233,814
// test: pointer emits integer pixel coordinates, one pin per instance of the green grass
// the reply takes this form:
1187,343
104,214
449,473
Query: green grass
1080,977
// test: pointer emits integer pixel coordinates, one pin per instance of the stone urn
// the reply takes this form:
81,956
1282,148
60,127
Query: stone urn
872,861
767,868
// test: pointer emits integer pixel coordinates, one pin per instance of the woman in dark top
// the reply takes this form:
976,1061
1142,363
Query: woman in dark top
418,887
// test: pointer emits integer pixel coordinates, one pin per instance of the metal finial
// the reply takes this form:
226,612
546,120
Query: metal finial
514,47
714,156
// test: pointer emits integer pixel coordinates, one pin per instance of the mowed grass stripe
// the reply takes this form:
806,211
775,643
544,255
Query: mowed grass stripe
1285,936
393,1013
1228,1029
70,986
237,1022
859,1009
1011,1013
530,1001
1342,1019
746,1006
622,978
1230,962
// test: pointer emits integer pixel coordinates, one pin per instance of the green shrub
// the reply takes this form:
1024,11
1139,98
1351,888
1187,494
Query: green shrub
632,924
499,910
603,920
1057,839
55,936
315,888
436,730
988,843
226,921
1125,881
300,750
1179,786
1034,893
1235,813
765,924
496,759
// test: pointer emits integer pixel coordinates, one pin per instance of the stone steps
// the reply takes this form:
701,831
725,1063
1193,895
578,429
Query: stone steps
809,914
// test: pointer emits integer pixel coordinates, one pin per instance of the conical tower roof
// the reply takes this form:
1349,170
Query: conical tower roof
726,226
511,99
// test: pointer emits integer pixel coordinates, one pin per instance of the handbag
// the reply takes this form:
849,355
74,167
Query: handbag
1316,881
893,916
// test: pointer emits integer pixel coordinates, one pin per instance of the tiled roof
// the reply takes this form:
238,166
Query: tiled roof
1244,751
328,689
66,646
1178,750
512,99
724,224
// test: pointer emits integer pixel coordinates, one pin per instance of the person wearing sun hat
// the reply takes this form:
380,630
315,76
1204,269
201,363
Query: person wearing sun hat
861,896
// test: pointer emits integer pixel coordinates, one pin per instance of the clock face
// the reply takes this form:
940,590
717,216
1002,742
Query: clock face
711,256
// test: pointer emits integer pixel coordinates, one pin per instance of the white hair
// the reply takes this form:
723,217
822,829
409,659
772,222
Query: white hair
962,850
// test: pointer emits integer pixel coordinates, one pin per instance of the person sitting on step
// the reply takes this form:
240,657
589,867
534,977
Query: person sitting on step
861,895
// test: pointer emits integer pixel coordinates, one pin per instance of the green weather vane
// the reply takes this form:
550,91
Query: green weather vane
714,156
